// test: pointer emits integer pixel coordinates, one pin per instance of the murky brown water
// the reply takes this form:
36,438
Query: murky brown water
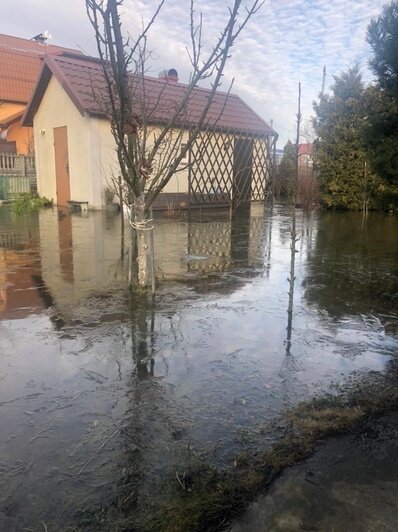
93,380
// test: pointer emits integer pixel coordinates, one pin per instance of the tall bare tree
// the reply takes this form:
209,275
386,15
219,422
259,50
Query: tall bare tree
293,231
150,151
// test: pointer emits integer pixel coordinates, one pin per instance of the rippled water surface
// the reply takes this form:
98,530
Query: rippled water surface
92,377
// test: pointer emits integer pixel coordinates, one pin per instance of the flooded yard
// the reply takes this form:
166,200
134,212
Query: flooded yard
100,387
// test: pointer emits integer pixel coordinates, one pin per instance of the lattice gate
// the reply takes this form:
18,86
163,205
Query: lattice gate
230,167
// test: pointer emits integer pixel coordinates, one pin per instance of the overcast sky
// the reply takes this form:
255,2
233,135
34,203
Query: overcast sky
288,41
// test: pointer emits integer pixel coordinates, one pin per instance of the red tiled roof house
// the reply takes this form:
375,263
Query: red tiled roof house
20,64
305,158
75,149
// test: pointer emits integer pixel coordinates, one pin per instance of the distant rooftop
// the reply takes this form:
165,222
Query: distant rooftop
306,149
20,64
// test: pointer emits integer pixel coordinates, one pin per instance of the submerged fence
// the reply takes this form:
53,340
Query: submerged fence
17,174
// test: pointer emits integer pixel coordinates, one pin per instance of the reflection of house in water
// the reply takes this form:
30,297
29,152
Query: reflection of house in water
17,269
19,264
211,242
54,259
80,256
75,257
227,243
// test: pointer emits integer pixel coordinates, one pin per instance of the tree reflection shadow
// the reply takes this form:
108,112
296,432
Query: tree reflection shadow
353,269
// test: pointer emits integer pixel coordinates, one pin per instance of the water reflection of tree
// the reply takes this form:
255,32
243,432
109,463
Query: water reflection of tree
354,270
268,218
143,336
301,242
152,429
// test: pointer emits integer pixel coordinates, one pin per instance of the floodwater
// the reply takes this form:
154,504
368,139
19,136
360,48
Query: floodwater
98,385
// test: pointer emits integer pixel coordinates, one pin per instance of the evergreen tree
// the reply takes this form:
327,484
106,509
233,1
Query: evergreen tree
339,154
380,134
381,127
287,170
382,35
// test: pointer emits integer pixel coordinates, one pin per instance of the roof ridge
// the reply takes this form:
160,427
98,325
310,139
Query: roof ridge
75,73
30,46
97,61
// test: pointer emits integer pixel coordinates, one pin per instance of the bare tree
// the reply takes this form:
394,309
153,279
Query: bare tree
150,132
293,231
307,132
307,183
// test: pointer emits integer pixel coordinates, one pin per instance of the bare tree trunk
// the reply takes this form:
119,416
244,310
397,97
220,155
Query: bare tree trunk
147,160
132,256
293,235
140,223
121,207
152,241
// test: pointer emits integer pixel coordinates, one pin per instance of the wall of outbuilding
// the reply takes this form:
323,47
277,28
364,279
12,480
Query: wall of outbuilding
56,110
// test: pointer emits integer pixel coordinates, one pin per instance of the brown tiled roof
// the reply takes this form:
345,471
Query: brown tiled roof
20,64
83,80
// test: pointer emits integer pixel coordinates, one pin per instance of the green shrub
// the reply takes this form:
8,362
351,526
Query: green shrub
26,202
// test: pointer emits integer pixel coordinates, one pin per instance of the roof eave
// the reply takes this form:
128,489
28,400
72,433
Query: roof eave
11,119
49,69
37,95
219,129
273,133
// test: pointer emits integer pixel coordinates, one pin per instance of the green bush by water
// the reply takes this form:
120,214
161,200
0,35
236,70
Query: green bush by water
26,202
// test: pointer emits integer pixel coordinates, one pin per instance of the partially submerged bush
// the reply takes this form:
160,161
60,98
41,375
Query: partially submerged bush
26,202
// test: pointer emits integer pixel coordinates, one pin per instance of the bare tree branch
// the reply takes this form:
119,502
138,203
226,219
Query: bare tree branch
150,149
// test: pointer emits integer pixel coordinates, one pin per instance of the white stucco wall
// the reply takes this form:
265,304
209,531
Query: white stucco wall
57,110
104,164
92,156
91,148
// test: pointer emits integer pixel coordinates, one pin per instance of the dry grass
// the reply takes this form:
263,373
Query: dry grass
329,420
216,497
209,498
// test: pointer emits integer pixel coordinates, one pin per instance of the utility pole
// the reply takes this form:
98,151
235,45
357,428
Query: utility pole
323,80
298,116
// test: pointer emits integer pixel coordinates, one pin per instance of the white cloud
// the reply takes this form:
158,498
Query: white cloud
288,41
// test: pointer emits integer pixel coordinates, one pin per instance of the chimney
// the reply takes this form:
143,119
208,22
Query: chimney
171,76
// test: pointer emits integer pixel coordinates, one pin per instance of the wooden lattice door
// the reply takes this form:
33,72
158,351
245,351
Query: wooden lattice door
242,176
229,166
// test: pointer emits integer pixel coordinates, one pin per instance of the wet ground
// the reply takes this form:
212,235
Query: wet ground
93,378
351,483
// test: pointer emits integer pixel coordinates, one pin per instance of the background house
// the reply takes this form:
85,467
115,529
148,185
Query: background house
305,159
75,149
278,156
20,65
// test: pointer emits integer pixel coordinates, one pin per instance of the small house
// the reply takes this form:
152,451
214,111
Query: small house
20,65
75,150
305,155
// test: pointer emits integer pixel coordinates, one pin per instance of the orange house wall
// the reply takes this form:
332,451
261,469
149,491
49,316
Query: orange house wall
23,136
